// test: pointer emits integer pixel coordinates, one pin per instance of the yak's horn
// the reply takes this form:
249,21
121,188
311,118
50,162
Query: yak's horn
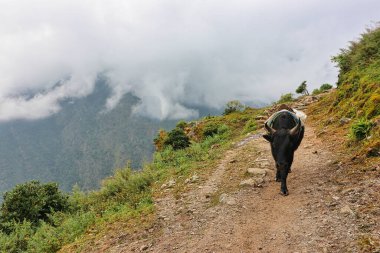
295,130
269,129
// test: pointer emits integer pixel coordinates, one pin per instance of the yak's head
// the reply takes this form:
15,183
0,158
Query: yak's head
283,144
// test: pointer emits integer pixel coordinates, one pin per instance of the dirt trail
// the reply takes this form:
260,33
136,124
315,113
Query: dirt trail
313,218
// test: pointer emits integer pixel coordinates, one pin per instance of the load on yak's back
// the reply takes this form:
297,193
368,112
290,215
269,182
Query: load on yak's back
285,132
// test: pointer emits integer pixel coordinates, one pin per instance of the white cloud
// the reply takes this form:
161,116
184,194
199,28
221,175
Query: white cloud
45,103
169,53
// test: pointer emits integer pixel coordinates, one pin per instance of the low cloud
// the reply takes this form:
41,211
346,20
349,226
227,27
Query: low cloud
169,53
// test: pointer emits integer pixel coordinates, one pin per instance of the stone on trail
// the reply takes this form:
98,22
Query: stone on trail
252,182
192,179
144,247
346,210
225,199
257,172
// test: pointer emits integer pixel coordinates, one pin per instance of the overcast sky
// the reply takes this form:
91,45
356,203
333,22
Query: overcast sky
171,54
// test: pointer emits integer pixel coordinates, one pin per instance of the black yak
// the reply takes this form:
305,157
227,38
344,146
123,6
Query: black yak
285,133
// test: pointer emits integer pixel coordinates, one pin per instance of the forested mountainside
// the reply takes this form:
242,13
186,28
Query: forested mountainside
79,145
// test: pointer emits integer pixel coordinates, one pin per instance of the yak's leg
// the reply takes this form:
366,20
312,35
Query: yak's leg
278,176
284,175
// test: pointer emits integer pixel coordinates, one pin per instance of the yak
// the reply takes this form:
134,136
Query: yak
285,133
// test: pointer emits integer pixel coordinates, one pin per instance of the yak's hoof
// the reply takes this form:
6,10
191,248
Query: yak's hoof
284,193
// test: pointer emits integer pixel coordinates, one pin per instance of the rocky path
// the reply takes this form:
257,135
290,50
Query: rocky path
239,208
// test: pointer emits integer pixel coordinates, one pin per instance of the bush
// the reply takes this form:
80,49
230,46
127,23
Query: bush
223,130
316,92
125,187
360,129
250,126
17,241
32,201
325,87
159,141
50,238
233,106
288,97
181,124
210,129
177,139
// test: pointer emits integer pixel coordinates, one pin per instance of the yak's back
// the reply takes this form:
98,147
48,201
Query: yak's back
283,119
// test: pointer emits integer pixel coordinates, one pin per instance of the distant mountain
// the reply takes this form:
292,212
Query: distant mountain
79,145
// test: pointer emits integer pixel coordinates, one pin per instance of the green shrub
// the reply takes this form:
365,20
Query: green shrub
210,129
177,139
32,201
181,124
50,238
325,87
360,129
285,98
316,92
17,240
223,130
46,239
233,106
125,187
159,140
250,126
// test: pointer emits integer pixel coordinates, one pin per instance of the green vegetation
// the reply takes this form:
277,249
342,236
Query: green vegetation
359,77
285,98
177,139
360,129
124,200
358,87
316,92
233,106
122,196
357,96
210,129
250,126
323,88
32,202
302,89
